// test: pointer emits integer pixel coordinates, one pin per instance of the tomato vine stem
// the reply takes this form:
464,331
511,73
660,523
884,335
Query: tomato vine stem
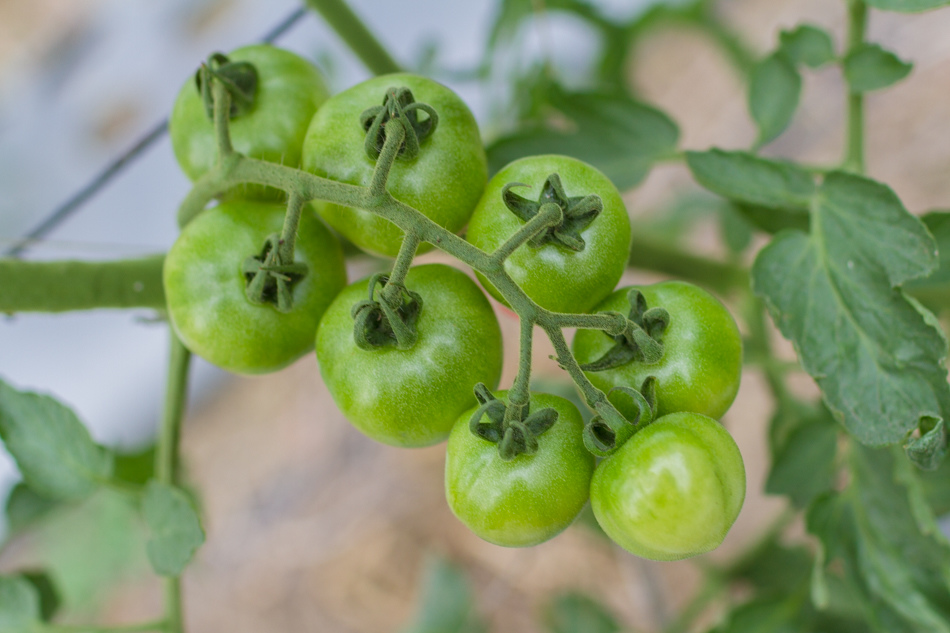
857,27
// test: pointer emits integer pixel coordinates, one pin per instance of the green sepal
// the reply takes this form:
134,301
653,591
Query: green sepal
398,104
578,212
514,436
640,341
377,323
239,78
269,280
608,430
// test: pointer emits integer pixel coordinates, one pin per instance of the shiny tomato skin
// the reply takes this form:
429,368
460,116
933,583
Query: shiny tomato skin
444,182
529,499
671,491
412,397
204,287
701,365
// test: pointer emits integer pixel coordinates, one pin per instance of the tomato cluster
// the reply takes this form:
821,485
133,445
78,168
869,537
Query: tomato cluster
401,354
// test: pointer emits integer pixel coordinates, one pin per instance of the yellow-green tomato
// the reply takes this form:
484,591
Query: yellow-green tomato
671,491
529,499
444,182
412,397
702,352
289,91
556,277
205,287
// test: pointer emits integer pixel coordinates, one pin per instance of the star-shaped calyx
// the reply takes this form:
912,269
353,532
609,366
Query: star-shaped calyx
579,212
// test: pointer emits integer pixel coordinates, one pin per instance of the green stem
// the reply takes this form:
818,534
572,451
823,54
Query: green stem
395,135
407,251
762,348
548,215
288,235
60,286
857,26
518,395
159,625
222,116
565,358
611,323
651,254
166,457
356,35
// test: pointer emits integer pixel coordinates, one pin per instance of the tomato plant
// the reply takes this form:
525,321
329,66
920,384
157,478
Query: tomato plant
289,89
854,280
572,266
413,397
673,490
701,364
444,181
529,499
205,286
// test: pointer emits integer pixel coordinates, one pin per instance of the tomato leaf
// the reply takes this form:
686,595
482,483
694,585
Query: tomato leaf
19,605
876,356
766,185
907,6
619,136
55,453
803,463
774,90
46,591
808,45
24,507
928,450
870,67
934,289
575,612
446,604
880,533
176,528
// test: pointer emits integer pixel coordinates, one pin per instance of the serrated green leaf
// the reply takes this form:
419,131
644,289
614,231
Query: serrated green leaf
750,180
774,220
870,67
870,532
175,526
808,45
446,603
767,615
929,450
774,90
803,464
19,605
53,450
619,136
907,6
574,612
876,357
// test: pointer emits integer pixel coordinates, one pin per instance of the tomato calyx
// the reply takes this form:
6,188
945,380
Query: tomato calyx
640,341
608,430
578,212
269,279
389,321
513,427
238,78
399,104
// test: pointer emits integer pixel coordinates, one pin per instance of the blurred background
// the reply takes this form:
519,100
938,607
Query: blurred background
311,526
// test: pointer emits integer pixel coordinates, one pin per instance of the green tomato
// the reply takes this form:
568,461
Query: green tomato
204,287
556,277
413,397
671,491
702,352
529,499
444,181
289,91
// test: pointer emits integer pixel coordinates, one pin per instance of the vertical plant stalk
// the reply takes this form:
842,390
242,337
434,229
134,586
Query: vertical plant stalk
857,27
166,458
356,35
